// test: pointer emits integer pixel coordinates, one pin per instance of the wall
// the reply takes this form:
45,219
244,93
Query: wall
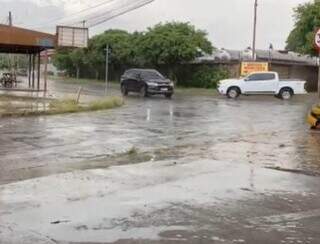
307,73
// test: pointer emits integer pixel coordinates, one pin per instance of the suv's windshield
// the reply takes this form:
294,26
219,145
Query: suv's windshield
151,75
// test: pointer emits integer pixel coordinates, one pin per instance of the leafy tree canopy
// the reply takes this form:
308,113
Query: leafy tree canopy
174,43
307,20
164,44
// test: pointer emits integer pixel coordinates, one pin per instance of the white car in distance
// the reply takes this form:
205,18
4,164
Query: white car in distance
266,83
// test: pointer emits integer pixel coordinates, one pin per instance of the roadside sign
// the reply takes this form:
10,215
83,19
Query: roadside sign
317,40
250,67
72,36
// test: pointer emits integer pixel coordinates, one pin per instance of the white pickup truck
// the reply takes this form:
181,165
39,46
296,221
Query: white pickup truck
262,83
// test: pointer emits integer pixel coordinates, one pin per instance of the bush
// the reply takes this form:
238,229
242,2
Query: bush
207,77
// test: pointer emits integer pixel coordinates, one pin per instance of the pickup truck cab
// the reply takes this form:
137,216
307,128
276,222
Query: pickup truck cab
262,83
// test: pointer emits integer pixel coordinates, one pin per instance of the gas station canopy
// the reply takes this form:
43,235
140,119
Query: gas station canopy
24,41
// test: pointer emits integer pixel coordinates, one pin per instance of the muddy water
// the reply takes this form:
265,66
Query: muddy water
262,131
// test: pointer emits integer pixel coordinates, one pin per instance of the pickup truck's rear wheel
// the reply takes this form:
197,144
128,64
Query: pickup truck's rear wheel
233,92
286,93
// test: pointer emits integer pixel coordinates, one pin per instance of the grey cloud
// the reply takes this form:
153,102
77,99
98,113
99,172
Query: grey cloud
228,22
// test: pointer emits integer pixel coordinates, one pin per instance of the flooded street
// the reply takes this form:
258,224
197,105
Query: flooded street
262,131
194,169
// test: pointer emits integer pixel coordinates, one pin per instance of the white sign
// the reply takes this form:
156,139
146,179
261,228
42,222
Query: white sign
72,36
317,40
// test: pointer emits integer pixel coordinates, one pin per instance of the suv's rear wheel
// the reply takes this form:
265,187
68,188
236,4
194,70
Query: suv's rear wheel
143,91
168,95
286,93
124,90
233,92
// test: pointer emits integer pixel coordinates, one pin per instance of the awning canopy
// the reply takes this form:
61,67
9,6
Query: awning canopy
18,40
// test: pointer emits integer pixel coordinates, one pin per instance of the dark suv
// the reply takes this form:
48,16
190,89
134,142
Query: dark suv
146,82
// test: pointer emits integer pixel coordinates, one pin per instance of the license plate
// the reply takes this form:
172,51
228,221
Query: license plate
164,89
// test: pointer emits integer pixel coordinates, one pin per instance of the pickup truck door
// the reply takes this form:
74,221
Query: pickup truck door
261,83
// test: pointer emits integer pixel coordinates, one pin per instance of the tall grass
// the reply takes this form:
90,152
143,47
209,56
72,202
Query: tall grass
107,103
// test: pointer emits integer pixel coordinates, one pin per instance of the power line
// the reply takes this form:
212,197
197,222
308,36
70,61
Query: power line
61,19
119,12
97,18
129,5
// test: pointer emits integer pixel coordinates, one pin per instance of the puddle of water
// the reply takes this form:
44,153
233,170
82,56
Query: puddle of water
104,200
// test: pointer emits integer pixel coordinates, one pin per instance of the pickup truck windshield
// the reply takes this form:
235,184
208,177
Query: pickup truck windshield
262,76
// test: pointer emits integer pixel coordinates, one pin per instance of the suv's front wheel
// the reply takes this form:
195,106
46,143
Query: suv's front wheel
124,90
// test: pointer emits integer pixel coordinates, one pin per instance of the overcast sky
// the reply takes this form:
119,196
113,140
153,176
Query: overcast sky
228,22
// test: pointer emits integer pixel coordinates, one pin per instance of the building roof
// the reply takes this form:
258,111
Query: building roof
274,56
18,40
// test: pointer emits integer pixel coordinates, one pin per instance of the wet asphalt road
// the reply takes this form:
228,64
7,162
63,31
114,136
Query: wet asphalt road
259,130
221,171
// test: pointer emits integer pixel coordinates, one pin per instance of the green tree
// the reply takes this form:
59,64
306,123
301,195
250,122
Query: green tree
78,59
307,20
172,44
71,60
62,60
121,49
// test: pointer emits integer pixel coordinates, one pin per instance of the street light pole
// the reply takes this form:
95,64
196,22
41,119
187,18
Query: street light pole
254,29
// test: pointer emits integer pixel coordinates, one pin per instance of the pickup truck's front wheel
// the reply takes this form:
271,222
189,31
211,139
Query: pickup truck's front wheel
233,92
286,93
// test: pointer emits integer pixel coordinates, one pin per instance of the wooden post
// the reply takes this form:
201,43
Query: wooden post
79,94
38,78
33,66
29,71
45,70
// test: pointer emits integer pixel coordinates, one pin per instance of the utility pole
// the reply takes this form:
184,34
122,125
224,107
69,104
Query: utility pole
10,18
11,57
107,68
254,29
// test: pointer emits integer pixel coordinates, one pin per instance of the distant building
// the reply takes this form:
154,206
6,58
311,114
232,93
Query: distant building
287,64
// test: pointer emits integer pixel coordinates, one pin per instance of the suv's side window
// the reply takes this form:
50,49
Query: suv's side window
262,76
